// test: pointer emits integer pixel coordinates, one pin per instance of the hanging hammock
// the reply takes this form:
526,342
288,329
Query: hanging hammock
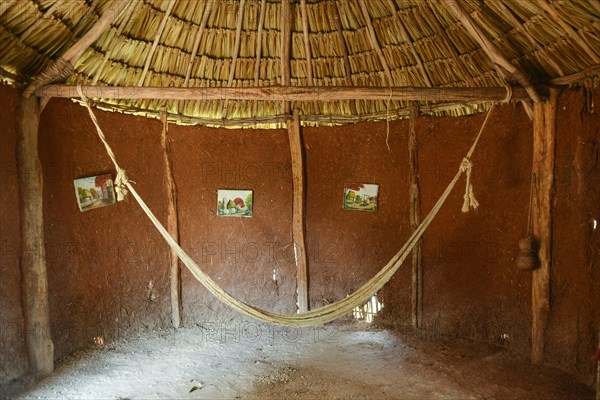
320,315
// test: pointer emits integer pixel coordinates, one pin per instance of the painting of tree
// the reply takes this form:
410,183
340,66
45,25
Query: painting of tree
361,196
94,192
234,203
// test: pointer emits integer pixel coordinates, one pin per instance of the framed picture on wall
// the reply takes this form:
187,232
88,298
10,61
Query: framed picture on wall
234,203
361,196
94,192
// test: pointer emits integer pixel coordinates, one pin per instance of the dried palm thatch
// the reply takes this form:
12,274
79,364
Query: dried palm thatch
226,43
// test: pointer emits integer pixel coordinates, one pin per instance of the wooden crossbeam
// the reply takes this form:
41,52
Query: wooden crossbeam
287,93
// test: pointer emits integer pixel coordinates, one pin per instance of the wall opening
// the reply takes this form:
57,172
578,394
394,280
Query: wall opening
367,311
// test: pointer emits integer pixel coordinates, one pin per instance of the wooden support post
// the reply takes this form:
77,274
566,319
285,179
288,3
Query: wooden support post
297,156
172,223
415,216
34,280
598,372
544,141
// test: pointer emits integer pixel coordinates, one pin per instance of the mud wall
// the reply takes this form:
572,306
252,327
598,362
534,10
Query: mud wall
108,268
13,358
472,288
574,323
251,258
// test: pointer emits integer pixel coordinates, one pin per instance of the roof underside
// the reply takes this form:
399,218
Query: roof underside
225,43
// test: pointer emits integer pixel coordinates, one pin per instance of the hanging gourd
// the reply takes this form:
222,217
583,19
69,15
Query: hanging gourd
527,259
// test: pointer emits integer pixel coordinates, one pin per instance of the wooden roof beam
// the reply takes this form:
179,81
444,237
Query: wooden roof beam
288,93
89,14
347,67
159,33
236,53
47,15
375,42
501,63
308,55
197,40
64,65
426,7
286,49
510,16
128,14
261,23
580,40
410,42
579,76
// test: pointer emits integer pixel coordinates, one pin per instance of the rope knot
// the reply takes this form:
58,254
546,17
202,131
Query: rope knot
121,182
466,165
469,197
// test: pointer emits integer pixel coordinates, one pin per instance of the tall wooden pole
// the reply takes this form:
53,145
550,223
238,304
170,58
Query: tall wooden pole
598,372
297,156
415,216
172,224
544,143
34,280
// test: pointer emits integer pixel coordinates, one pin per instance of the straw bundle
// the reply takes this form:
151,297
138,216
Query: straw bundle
203,43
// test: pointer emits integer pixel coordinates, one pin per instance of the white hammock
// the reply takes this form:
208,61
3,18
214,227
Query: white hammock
320,315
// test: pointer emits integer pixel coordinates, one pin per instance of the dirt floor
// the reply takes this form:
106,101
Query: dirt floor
340,361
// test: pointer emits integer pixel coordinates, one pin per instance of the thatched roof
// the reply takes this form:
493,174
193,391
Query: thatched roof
226,43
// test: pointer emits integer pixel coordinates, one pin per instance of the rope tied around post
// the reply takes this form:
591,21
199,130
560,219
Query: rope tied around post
121,180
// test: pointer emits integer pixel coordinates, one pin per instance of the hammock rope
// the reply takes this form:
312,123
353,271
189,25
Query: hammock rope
314,317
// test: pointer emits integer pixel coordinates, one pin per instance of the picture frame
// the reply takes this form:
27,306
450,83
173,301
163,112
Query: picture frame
235,203
94,192
361,197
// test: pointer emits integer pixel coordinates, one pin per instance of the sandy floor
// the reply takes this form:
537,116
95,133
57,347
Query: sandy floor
251,361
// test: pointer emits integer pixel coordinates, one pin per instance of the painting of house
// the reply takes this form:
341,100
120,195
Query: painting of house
234,203
361,196
94,192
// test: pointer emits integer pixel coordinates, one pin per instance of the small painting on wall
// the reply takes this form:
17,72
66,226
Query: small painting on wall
234,203
361,196
94,192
